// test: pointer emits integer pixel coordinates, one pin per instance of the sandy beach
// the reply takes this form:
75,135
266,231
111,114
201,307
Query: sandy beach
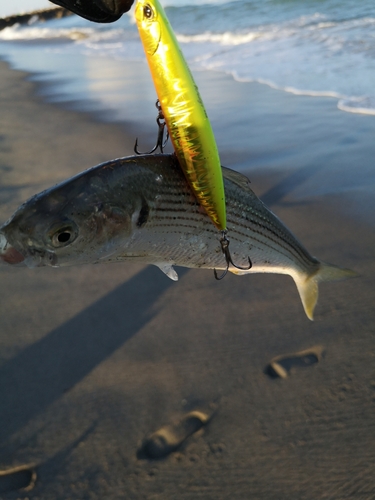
95,359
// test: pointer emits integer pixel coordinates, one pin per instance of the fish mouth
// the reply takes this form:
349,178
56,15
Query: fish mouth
8,253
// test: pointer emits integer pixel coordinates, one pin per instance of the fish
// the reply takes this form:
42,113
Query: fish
183,110
141,209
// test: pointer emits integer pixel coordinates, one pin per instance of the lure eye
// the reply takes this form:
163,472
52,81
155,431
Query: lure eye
63,236
147,12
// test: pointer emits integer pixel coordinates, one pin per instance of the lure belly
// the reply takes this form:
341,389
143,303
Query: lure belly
184,113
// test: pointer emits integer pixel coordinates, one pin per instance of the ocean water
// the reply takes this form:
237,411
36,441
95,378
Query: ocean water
311,47
315,48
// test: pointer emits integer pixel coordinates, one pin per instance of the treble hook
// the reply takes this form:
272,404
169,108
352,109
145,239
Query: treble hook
224,242
160,142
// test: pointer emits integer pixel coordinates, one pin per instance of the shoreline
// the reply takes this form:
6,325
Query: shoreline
93,359
264,132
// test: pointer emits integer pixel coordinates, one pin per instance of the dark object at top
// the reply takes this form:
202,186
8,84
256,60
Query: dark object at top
99,11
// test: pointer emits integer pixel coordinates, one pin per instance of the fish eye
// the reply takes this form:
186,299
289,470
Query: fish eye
147,12
63,236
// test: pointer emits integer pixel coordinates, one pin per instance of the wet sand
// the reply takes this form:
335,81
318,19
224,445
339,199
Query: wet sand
97,360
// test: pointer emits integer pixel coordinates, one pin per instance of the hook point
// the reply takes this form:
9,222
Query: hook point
224,242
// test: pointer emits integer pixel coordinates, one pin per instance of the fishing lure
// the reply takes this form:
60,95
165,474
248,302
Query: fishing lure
183,110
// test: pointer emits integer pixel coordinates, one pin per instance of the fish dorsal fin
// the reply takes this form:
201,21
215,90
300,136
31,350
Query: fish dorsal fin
168,270
239,179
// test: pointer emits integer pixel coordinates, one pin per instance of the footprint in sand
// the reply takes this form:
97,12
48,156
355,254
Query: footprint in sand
18,478
283,366
167,439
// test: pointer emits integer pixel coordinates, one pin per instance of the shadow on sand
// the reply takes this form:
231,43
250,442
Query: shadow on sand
38,375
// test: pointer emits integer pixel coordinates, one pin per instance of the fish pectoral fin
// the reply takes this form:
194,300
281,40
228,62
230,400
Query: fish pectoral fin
168,270
239,272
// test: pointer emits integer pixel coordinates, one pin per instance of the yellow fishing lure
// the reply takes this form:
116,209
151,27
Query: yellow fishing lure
185,116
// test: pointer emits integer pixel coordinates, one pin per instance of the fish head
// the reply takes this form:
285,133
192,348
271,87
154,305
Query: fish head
147,18
75,223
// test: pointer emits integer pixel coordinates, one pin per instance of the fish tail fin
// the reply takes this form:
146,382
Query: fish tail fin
308,285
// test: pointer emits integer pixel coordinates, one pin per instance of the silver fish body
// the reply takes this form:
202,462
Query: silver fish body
142,209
